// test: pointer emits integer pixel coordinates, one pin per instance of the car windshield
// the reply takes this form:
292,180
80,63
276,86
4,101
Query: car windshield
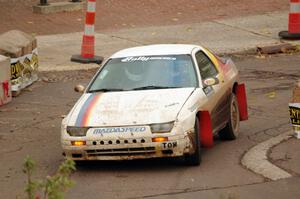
145,72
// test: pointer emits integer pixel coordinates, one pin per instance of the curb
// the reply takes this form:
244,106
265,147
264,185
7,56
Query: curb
75,66
276,48
256,159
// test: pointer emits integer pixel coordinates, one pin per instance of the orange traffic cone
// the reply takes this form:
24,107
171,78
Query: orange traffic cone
294,22
88,42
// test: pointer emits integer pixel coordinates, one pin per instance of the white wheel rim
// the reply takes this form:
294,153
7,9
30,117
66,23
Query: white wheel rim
235,117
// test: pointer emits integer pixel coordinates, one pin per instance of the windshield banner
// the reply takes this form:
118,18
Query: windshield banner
133,59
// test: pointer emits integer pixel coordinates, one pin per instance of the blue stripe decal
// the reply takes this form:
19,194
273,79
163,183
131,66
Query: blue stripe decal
83,110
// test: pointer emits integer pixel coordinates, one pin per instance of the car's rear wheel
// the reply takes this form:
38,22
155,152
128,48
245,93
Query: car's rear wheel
195,158
231,131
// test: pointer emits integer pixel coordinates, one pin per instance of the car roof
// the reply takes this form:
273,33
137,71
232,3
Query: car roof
158,49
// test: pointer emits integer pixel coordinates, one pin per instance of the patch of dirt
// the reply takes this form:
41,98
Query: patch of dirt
56,76
260,74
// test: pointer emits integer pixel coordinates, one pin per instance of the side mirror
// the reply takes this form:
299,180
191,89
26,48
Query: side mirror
211,81
79,88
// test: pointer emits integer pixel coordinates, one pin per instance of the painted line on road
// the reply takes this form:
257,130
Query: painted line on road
256,159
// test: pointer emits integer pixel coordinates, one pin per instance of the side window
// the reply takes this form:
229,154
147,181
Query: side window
206,67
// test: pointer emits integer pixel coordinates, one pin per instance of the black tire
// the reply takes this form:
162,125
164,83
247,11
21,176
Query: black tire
230,132
195,158
80,163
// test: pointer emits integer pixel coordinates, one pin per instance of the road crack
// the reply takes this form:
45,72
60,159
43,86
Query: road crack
12,151
34,124
244,29
191,190
127,39
264,131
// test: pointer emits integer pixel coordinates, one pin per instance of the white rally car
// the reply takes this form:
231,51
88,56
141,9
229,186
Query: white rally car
155,101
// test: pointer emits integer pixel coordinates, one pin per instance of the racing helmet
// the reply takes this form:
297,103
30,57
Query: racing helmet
135,71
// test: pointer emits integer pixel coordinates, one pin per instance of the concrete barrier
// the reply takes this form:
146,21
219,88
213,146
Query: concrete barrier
22,49
66,6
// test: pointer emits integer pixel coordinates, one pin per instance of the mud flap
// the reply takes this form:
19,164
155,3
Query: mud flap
240,91
206,134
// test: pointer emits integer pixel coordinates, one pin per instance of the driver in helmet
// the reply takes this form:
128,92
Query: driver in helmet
136,73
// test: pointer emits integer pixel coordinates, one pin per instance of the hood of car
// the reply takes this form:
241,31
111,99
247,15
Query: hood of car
128,108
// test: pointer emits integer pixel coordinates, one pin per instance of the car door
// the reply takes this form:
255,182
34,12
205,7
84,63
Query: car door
217,93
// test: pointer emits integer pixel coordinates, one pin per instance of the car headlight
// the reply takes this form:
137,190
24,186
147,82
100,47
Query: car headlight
162,128
77,131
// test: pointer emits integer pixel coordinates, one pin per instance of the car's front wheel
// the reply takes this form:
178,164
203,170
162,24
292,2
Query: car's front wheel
195,158
230,132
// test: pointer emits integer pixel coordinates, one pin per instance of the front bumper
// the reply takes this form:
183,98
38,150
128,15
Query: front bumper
128,148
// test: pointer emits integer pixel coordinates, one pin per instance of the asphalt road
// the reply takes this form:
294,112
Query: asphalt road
31,125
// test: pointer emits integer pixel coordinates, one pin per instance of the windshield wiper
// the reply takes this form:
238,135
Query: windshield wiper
154,87
105,90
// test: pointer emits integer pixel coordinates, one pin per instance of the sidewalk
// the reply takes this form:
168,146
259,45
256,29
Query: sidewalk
222,36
